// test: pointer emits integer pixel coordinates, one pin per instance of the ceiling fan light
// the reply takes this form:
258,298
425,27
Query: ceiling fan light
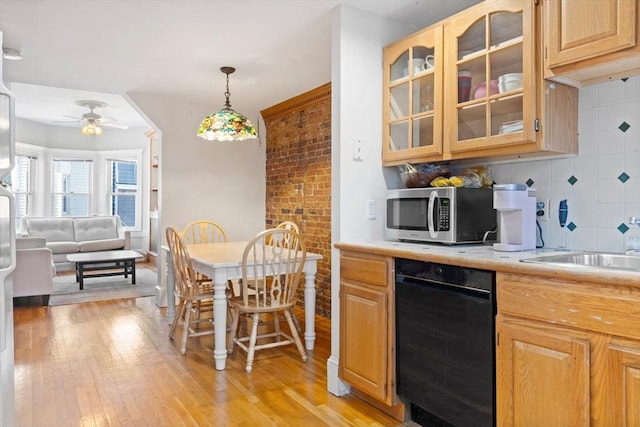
91,129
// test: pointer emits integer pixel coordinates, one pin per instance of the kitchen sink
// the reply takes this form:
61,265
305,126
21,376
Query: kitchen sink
590,259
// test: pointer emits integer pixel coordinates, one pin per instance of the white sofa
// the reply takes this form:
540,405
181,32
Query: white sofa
33,276
67,235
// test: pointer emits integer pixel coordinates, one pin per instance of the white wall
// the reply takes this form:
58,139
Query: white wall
198,179
357,42
224,182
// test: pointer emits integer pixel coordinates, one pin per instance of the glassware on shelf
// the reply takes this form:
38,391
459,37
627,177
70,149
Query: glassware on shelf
464,85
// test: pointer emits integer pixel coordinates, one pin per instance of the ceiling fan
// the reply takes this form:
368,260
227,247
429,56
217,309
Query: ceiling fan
92,121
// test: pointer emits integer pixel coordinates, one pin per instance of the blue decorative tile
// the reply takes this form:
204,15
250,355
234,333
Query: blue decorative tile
624,126
623,177
572,180
571,226
529,182
623,228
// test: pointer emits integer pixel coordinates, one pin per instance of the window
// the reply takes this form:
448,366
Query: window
71,194
123,190
21,182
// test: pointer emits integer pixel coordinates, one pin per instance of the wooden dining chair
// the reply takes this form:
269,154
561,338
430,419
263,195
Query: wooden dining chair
189,293
288,225
271,274
202,231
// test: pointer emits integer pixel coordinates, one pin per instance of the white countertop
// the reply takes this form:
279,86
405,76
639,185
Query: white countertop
485,257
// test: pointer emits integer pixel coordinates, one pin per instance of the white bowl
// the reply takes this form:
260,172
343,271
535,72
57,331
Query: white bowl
506,86
510,77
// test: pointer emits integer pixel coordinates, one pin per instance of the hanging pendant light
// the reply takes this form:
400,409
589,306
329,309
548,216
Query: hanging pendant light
227,124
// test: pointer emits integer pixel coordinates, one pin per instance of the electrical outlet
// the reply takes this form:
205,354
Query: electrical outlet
542,209
357,150
371,209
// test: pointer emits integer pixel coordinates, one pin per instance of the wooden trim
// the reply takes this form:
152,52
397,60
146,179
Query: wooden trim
396,410
299,102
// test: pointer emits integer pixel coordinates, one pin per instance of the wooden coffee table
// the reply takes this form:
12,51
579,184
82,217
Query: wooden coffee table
120,262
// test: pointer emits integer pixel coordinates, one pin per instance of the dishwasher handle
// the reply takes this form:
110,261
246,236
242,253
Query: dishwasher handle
467,290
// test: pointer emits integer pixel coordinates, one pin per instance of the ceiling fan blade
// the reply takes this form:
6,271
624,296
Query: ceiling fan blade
79,119
67,121
113,125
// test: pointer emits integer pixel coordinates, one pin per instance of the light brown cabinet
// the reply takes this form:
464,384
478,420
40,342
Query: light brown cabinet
568,353
413,97
589,41
491,101
367,338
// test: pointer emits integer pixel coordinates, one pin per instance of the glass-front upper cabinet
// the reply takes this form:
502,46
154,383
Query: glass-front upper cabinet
413,98
491,77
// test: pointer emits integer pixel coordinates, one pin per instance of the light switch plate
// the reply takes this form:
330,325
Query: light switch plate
371,209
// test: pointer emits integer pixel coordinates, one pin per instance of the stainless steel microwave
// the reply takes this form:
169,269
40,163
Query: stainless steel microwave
441,214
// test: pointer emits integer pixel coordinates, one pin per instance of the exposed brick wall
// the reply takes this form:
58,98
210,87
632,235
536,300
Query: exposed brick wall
298,181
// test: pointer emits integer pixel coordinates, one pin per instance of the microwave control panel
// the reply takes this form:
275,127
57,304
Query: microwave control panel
444,214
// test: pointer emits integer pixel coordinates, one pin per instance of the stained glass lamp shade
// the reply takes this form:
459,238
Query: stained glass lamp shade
227,124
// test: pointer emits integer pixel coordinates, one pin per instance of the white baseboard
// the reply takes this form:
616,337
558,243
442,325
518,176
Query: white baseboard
334,384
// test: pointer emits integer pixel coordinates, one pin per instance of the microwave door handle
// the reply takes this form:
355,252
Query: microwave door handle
432,202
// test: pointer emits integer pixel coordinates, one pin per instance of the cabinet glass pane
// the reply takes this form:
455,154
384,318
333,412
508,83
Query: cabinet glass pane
399,137
423,94
472,122
505,26
423,59
399,68
505,62
473,40
399,102
506,115
423,132
471,74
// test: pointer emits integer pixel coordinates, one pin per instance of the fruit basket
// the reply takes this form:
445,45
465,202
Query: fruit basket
420,176
418,179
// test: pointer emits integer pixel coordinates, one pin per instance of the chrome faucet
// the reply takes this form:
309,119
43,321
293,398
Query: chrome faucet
635,220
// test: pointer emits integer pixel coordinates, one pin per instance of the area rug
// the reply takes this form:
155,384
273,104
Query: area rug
66,289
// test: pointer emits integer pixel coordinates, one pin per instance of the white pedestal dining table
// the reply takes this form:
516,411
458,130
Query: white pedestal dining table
223,262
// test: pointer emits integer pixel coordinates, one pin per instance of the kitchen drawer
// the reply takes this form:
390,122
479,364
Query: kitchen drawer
368,269
602,308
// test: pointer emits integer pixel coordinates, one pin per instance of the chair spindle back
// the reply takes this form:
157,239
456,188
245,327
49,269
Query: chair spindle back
272,265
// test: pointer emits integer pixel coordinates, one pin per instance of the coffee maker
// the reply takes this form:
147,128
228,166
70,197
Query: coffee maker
515,205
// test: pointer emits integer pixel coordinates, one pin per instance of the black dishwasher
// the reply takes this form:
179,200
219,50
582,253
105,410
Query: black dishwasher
445,341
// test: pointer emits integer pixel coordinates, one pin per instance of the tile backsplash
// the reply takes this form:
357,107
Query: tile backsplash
602,184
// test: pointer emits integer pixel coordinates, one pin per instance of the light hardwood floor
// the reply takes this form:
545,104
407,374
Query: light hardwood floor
112,364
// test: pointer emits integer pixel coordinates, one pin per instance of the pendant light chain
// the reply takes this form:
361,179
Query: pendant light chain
227,94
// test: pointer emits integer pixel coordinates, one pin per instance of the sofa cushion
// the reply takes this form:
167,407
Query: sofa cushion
64,247
52,229
101,245
95,228
30,242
